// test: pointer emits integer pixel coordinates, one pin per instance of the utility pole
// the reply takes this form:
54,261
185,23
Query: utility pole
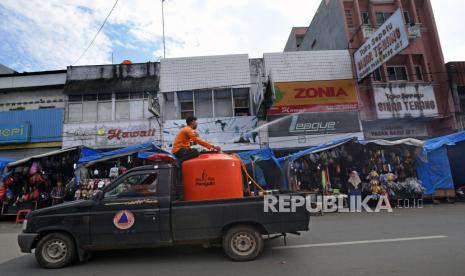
163,23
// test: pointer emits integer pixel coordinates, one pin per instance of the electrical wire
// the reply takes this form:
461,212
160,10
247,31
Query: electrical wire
98,32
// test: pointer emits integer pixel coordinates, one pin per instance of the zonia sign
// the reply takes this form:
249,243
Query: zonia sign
314,96
388,40
405,101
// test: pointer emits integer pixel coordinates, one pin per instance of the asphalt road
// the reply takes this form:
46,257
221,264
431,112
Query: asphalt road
428,241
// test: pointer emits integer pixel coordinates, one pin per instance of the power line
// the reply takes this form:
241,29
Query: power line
98,32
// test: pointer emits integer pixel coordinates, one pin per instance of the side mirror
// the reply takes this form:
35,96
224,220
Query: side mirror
99,195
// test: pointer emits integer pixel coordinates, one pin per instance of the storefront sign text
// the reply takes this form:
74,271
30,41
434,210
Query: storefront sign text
14,133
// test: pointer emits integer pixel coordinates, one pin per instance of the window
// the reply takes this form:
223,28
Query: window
140,185
104,107
381,17
18,108
377,75
122,106
89,108
169,111
203,104
461,92
241,102
46,107
397,73
406,17
186,103
223,103
418,73
75,112
349,19
136,105
365,18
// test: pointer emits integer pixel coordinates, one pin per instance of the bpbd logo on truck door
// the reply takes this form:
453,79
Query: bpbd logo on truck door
204,179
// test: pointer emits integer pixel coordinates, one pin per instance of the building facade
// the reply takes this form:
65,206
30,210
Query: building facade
31,113
315,98
108,106
409,95
456,71
224,92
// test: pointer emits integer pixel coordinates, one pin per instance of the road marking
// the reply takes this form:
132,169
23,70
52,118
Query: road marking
360,242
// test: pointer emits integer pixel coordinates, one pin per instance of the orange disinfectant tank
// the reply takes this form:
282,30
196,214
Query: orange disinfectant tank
212,176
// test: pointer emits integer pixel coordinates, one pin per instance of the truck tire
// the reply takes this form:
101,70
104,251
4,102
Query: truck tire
242,243
55,250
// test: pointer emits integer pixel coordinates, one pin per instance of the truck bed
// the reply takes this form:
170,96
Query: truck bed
206,220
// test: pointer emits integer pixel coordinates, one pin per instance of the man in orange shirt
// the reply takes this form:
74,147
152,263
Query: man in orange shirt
182,143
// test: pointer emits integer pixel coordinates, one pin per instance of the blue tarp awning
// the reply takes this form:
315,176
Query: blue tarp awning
434,165
316,149
103,156
449,140
3,163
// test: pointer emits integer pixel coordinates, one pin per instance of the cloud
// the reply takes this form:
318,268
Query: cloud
52,34
43,35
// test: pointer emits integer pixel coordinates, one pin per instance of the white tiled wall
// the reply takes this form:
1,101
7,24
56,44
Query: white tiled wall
178,74
308,65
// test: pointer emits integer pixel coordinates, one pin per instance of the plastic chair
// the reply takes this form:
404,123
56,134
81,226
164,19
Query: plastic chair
21,215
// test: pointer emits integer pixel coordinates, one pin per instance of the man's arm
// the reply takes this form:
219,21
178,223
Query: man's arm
193,135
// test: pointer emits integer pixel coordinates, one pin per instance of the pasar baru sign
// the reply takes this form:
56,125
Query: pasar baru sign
388,40
314,96
405,101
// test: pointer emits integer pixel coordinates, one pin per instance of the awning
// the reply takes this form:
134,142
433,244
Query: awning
51,153
3,163
103,156
448,140
317,149
407,141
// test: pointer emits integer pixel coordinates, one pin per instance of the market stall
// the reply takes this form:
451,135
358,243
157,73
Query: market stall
441,164
264,167
352,167
37,181
95,171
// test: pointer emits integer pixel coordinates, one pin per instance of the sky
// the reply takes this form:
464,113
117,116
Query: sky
37,35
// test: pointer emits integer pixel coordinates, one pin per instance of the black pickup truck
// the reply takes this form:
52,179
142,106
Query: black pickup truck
142,208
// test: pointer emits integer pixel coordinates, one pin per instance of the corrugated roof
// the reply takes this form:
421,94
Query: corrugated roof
46,124
308,65
190,73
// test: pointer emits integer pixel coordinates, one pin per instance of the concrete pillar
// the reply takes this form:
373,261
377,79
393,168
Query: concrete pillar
411,69
426,72
413,12
372,14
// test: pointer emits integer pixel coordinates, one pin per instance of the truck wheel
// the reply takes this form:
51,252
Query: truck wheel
242,243
55,250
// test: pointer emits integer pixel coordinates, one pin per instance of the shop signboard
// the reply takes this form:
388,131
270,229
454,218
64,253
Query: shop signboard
313,124
230,133
382,129
314,96
387,41
110,135
14,133
405,101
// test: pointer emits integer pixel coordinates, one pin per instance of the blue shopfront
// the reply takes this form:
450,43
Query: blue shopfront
29,132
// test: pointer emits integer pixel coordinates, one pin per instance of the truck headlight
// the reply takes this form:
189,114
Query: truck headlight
24,225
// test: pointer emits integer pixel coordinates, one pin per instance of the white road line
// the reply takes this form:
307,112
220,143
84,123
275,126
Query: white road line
359,242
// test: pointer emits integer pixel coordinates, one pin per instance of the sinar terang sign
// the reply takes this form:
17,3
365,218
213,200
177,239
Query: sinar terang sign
388,40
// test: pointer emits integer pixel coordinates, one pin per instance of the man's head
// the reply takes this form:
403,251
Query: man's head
192,122
59,183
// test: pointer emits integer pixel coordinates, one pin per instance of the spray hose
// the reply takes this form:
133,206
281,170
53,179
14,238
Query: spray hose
249,178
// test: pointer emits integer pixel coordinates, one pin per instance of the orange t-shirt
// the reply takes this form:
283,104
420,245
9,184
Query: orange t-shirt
185,137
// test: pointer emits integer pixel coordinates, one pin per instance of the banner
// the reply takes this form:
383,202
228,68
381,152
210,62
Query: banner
111,134
405,101
381,129
388,40
14,133
313,124
314,96
230,133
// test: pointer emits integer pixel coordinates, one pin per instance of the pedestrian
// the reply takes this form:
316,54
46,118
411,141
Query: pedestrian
58,193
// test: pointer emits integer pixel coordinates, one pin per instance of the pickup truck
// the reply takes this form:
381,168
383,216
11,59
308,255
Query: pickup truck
143,208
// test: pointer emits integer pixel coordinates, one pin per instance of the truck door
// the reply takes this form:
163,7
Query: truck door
128,214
